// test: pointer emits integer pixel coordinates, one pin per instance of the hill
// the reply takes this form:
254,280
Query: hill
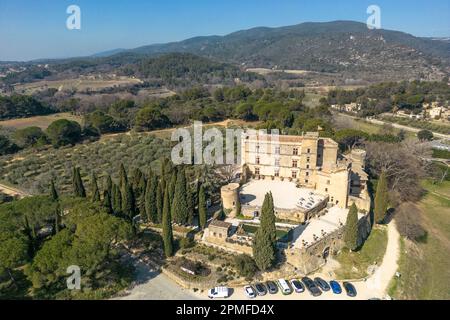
346,47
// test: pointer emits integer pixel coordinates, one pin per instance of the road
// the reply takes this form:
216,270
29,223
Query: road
396,125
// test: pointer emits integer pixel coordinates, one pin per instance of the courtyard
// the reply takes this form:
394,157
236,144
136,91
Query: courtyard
286,195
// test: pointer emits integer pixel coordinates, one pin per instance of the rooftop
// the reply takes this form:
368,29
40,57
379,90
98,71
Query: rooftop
317,228
220,224
286,195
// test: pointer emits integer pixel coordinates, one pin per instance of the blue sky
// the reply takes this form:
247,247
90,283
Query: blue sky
31,29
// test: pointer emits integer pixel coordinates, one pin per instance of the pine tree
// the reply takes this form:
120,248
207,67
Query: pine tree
202,210
160,199
55,198
351,229
94,188
77,183
107,203
151,208
264,245
167,226
381,199
180,209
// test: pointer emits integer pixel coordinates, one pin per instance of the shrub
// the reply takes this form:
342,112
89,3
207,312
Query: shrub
245,265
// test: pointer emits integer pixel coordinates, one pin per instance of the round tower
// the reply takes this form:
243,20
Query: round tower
230,196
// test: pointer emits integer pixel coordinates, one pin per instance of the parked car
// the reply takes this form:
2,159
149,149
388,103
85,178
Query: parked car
218,292
273,289
260,289
250,292
322,284
284,286
350,289
335,287
297,286
311,287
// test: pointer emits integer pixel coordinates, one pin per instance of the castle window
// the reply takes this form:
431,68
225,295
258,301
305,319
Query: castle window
277,150
308,159
257,171
257,160
257,148
294,163
295,152
306,181
307,166
294,174
326,189
277,162
328,181
307,174
309,150
277,173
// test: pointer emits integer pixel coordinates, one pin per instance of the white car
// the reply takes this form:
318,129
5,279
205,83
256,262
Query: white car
249,292
218,292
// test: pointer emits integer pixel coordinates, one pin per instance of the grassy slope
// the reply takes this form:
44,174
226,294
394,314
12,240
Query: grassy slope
353,265
39,121
425,267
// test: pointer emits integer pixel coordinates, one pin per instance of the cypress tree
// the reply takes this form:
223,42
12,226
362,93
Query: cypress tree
55,198
108,185
271,219
151,208
140,197
351,229
53,193
172,184
180,211
123,179
107,203
264,245
381,199
191,202
202,210
77,183
94,188
137,175
116,196
160,199
128,202
167,226
238,207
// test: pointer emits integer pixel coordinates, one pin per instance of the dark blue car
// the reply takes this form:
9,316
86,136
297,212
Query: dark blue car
335,287
350,289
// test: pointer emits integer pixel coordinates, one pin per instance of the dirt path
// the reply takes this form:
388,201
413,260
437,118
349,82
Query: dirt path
13,192
378,283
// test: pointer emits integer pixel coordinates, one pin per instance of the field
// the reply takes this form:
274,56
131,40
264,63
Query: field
353,265
39,121
425,267
78,84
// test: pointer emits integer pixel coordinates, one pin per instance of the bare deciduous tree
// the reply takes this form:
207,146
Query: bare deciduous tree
404,165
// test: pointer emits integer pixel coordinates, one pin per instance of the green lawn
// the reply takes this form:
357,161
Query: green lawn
425,267
353,265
